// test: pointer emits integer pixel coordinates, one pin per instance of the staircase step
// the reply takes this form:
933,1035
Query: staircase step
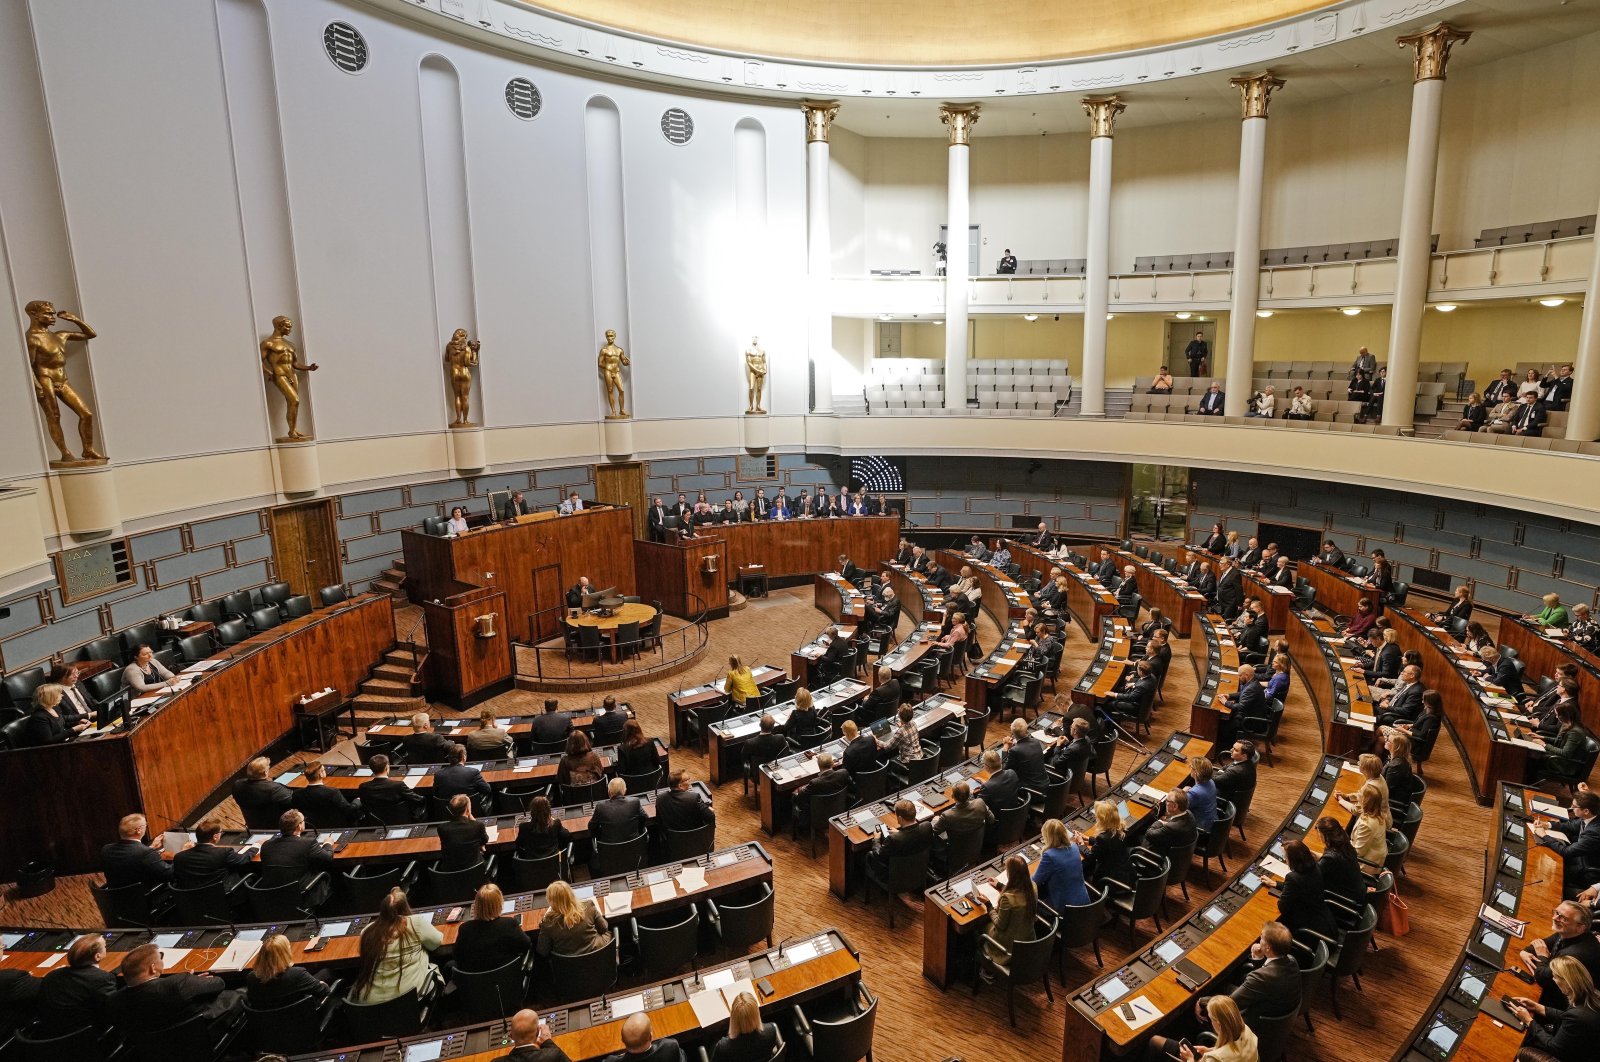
400,656
394,672
399,564
377,706
387,687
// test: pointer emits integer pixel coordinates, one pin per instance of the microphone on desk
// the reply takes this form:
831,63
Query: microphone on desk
505,1022
785,942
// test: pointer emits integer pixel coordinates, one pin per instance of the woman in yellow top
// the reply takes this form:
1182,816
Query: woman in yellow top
740,683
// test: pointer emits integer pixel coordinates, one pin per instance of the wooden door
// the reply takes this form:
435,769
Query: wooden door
549,599
305,549
623,485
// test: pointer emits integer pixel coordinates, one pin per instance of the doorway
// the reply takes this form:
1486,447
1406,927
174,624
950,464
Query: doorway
1158,499
974,248
1179,333
305,549
623,484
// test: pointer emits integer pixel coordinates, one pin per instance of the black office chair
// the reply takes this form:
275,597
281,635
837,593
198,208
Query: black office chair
361,889
202,1038
195,648
583,794
137,905
274,593
963,850
287,902
265,618
820,808
14,734
459,885
486,994
1080,924
840,1033
99,649
1025,962
20,685
667,942
232,632
204,905
80,1045
742,919
628,639
586,975
333,595
532,873
870,785
687,844
1145,897
1006,830
362,1023
898,874
147,633
296,606
619,857
206,612
237,604
289,1030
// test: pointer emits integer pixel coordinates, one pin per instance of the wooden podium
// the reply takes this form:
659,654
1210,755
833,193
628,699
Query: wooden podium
469,646
675,574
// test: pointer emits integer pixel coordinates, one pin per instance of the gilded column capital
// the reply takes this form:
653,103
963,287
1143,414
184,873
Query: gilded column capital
1255,92
1431,50
819,119
1102,112
960,117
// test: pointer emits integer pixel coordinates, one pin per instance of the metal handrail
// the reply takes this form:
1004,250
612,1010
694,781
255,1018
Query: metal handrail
553,663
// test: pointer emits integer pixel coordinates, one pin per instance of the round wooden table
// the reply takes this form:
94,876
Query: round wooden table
631,612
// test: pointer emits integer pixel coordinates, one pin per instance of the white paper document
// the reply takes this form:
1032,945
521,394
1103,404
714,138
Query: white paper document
618,903
622,1006
662,891
1142,1012
708,1007
236,956
692,879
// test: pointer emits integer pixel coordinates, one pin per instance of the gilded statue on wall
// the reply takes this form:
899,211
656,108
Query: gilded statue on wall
611,362
279,365
47,355
460,356
755,371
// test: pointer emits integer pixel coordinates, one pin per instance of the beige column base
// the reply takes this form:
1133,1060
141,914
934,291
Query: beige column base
467,450
618,433
88,499
757,432
299,471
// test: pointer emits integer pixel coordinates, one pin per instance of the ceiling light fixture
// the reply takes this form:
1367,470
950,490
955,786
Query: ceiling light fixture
1030,317
1263,314
1350,311
1446,307
1183,316
886,317
1552,302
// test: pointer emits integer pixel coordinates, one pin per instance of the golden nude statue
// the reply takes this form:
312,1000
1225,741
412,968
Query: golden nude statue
755,370
279,364
611,360
47,354
460,355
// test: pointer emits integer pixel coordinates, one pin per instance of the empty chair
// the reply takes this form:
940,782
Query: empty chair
485,995
333,595
823,807
265,618
841,1033
1145,897
200,1038
667,942
871,785
284,903
19,686
1009,822
237,604
458,885
289,1030
296,606
205,905
361,889
79,1045
195,648
231,632
129,905
274,593
1214,845
1080,924
362,1023
620,857
1350,956
686,844
100,649
742,919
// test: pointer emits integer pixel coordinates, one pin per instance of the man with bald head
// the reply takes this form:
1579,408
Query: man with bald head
531,1040
640,1045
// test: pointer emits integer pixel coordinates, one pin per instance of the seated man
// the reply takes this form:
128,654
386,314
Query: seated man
861,752
553,726
325,807
573,504
575,595
291,856
887,614
1301,406
1270,987
766,746
827,781
619,817
968,813
1001,789
1238,776
461,777
1025,755
380,792
883,701
611,723
1176,830
150,1001
202,862
908,838
1403,703
129,861
1573,937
682,808
463,839
1211,402
424,746
531,1040
640,1045
1132,700
1576,840
1072,749
75,994
260,799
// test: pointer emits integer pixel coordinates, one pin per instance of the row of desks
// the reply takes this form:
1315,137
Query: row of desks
986,678
1543,653
842,603
917,596
1210,942
1216,662
1112,659
541,768
725,741
1088,601
1003,598
1485,720
1176,599
1340,692
1523,883
696,698
1275,600
1338,591
960,906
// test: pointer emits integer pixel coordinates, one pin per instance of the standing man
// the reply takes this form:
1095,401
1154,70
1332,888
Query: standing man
657,519
1364,362
47,353
1198,354
761,508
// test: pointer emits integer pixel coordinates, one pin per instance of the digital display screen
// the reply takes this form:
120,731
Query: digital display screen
1443,1037
875,473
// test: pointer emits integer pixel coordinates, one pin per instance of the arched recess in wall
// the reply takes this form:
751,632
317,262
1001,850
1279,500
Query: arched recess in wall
608,225
256,132
444,158
750,268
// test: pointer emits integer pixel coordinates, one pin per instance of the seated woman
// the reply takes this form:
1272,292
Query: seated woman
1301,904
1563,754
1360,389
1569,1034
147,674
1278,684
1109,858
543,833
1162,384
636,754
749,1039
275,981
571,927
457,522
1399,773
1473,414
1370,837
1014,912
957,633
579,764
45,725
394,953
1060,873
1339,864
489,939
804,717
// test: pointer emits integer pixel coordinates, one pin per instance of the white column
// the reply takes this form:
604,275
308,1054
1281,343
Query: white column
819,252
1583,414
1102,111
960,118
1255,93
1432,53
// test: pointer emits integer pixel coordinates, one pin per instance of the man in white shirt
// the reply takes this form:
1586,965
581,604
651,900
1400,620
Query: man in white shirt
573,504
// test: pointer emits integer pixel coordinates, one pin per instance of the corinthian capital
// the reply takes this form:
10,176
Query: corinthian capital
1102,112
960,117
1431,50
1255,92
819,118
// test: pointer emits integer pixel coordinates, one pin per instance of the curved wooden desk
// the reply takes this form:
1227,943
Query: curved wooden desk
632,612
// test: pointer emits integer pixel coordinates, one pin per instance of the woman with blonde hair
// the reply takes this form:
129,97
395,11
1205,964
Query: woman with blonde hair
394,953
1568,1033
1233,547
570,927
1400,773
1109,858
490,938
1060,874
45,726
1235,1041
748,1039
1370,836
275,981
740,684
1371,766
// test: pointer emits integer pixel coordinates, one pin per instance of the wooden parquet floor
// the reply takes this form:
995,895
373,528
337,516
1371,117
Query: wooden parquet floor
918,1023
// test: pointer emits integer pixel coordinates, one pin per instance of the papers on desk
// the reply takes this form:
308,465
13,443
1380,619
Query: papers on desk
1547,809
803,952
51,960
692,879
1504,923
618,903
1275,866
286,779
236,956
204,665
411,780
708,1006
1138,1012
1526,743
923,811
866,818
1351,766
1365,722
145,701
622,1006
1152,794
746,730
989,894
719,980
662,891
171,957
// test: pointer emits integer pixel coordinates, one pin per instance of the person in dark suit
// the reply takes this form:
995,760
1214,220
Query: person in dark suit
1212,401
883,701
1557,388
462,839
1576,840
1251,558
551,727
1250,702
1204,581
1238,776
1133,698
908,838
619,817
150,1002
74,996
1230,589
1567,1034
1215,542
291,856
766,746
576,592
532,1041
611,723
325,807
681,808
803,718
260,799
1572,937
1197,353
640,1045
1403,703
460,777
19,992
839,657
1331,555
1302,904
423,745
382,792
1025,755
886,614
861,752
1177,830
1270,987
1001,789
1503,672
129,861
760,507
828,779
656,520
1074,749
681,508
1530,417
1043,539
515,506
202,862
1106,570
47,724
